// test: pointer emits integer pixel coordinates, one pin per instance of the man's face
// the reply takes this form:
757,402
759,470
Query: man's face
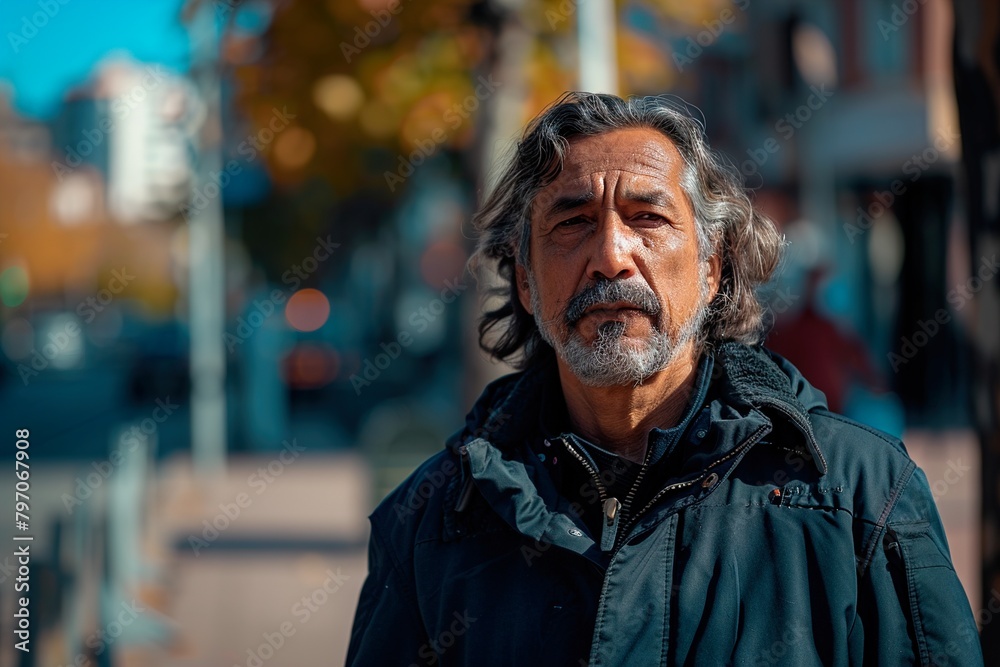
616,285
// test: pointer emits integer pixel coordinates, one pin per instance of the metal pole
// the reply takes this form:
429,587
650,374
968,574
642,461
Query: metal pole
596,26
206,290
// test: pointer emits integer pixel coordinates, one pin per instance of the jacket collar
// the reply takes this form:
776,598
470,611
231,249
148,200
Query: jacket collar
748,380
750,395
751,377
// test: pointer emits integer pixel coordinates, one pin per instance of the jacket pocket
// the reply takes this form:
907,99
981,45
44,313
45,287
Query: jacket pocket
931,595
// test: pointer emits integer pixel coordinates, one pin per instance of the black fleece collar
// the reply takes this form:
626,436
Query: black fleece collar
751,378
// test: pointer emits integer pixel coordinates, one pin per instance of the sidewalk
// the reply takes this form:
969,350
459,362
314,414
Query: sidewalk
274,582
950,459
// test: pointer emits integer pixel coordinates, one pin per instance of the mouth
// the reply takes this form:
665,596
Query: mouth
618,309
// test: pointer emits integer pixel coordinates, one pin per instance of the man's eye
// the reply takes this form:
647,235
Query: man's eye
572,222
655,217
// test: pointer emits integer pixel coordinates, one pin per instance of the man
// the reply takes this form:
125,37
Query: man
653,488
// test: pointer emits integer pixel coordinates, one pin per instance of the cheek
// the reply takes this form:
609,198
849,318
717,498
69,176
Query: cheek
556,285
555,299
679,287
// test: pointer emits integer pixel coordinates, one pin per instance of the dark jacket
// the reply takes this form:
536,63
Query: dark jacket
777,533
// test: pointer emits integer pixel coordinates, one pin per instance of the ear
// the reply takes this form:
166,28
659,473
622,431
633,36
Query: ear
714,276
523,288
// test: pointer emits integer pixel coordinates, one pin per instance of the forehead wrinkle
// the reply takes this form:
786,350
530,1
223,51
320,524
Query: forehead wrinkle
654,153
633,163
589,183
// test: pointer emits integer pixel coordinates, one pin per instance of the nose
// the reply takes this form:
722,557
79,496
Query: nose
611,253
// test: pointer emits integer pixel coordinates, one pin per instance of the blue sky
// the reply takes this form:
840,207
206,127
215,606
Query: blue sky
62,52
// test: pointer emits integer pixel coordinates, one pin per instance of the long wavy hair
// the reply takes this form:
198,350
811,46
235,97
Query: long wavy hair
747,242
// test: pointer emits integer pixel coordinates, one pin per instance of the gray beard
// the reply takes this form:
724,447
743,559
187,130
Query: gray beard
613,359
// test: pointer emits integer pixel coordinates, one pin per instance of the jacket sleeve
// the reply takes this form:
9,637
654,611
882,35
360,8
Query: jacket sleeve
387,630
911,602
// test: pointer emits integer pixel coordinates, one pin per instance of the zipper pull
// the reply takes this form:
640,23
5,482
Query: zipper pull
466,492
610,530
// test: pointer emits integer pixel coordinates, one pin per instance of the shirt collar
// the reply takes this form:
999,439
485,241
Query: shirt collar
663,440
553,417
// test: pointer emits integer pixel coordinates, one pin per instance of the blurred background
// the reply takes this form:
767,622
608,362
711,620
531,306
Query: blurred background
233,300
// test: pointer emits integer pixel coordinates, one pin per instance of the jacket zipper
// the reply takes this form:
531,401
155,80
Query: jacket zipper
466,493
635,488
611,506
757,435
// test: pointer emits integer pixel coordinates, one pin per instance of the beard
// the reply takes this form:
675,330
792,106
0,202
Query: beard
613,358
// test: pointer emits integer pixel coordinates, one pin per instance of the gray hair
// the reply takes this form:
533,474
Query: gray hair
747,242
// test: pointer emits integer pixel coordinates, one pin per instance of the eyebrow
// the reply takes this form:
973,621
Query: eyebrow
652,197
568,203
655,197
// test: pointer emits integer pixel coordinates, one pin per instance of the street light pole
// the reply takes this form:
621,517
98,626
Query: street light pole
598,59
206,288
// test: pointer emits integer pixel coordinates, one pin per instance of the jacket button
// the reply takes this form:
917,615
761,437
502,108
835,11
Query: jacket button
575,532
710,480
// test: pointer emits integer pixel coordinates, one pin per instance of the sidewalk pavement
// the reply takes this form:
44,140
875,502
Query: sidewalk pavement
265,568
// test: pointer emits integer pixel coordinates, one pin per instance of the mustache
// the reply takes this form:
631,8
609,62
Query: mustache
606,292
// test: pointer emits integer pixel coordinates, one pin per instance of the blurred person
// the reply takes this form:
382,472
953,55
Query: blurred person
653,486
846,361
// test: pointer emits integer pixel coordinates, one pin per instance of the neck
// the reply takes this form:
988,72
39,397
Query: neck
619,418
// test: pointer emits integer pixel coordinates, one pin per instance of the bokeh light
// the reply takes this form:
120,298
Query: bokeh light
339,96
307,310
311,366
294,148
14,286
